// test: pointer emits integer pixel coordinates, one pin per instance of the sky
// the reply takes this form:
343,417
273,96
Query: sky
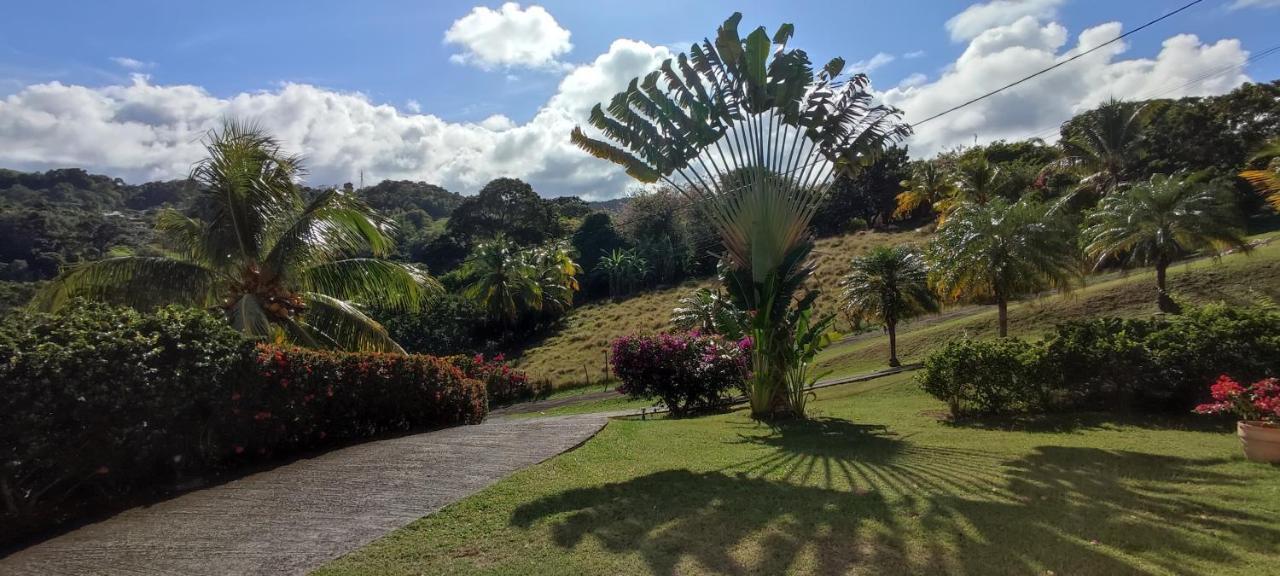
459,93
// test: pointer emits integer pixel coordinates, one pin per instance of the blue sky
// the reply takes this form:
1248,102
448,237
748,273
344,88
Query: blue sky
395,53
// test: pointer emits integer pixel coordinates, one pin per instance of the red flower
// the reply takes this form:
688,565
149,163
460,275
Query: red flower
262,416
239,449
1225,388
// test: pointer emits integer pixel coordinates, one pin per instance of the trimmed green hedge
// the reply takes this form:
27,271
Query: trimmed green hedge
1107,364
103,406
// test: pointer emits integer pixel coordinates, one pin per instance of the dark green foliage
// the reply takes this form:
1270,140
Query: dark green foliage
105,405
867,194
14,295
508,207
448,324
593,240
1108,364
654,223
37,240
393,196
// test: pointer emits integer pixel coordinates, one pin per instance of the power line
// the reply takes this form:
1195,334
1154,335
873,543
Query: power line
1055,66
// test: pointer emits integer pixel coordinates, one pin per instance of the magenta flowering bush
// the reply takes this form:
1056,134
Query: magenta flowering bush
685,372
505,384
1259,401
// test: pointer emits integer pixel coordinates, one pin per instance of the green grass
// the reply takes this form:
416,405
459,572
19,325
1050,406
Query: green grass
875,484
589,406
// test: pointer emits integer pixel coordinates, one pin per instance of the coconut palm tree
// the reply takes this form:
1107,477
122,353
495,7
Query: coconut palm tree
1001,250
278,267
1266,178
888,285
1102,148
502,280
557,275
930,185
1157,222
754,110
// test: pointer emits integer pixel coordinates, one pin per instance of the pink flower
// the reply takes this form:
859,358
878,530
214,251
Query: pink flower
239,449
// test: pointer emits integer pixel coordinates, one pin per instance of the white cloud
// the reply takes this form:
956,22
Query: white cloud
1238,4
509,37
981,17
871,64
1005,53
913,80
413,105
130,63
142,131
913,54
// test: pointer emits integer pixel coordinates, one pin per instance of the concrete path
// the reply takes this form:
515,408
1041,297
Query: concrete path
294,518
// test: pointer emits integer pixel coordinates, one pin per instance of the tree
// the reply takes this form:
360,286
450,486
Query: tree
557,276
652,222
888,285
503,281
277,266
1001,250
508,207
866,194
710,312
594,239
1102,145
1159,221
750,105
624,268
931,186
1266,178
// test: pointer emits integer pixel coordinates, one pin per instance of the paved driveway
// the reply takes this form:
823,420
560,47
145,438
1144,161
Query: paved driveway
294,518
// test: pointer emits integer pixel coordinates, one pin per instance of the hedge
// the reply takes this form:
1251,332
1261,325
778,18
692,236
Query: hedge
105,406
1107,364
504,384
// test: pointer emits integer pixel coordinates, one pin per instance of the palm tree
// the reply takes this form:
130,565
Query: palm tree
624,268
1266,179
502,280
278,267
1159,221
1103,146
888,285
750,109
1000,250
557,275
708,311
930,185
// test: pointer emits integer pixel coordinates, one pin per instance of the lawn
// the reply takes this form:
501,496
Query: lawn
875,484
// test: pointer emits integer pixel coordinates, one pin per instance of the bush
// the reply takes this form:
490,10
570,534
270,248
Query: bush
983,377
1109,363
103,405
505,385
686,373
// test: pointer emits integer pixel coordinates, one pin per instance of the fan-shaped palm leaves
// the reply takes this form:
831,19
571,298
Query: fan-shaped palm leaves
1000,250
503,280
888,285
1266,178
1102,149
279,267
1159,221
755,110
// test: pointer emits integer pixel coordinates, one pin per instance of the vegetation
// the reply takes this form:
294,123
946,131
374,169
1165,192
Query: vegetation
876,484
278,268
750,198
685,373
1157,222
1102,146
1001,250
887,286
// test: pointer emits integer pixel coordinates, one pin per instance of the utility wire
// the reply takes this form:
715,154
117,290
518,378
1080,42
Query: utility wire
1055,66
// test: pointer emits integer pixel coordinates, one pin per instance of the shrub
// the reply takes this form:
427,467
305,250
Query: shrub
102,405
1109,363
505,385
983,377
686,373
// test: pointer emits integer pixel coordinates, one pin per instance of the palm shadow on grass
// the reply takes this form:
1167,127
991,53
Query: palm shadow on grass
833,496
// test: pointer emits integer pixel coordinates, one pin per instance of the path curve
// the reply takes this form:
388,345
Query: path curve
292,519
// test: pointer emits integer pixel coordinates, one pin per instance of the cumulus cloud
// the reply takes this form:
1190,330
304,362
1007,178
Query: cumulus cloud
509,37
871,64
1185,66
412,106
984,16
913,80
143,131
130,63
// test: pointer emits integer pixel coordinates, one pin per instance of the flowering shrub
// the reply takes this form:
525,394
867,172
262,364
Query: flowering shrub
505,384
102,404
1259,401
685,372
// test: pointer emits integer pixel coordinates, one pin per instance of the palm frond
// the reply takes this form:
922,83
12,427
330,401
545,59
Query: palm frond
371,282
343,324
141,282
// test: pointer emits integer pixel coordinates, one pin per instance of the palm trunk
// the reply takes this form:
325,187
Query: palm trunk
893,345
1163,300
1003,306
